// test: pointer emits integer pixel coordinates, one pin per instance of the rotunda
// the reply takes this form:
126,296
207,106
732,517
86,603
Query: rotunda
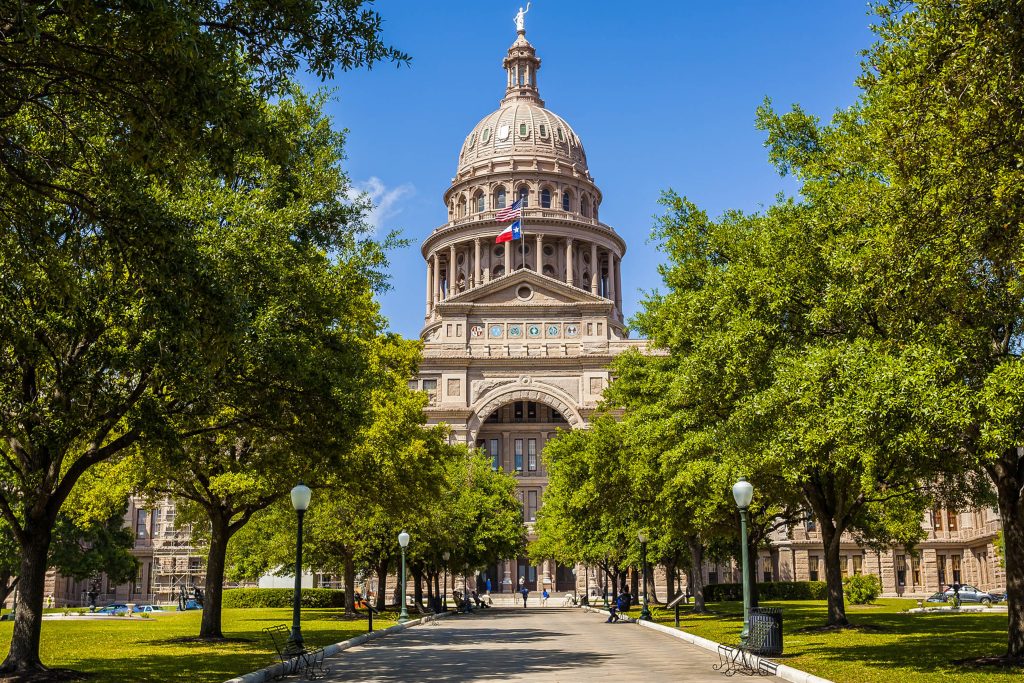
518,335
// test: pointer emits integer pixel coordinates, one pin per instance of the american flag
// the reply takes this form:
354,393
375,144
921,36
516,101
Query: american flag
510,213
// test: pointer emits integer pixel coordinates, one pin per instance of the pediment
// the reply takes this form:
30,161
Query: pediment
543,291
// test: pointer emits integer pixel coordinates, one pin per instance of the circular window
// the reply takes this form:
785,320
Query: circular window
586,257
548,250
461,259
524,292
499,250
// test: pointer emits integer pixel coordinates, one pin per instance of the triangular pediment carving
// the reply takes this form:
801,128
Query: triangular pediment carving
543,290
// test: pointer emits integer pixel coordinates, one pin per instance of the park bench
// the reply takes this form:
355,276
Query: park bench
308,661
740,659
765,639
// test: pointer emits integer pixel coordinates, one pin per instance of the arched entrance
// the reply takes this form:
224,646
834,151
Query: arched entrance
512,423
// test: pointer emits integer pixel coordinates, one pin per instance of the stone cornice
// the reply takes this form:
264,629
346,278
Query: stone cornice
488,229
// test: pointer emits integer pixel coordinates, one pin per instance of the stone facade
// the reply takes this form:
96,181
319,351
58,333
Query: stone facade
518,336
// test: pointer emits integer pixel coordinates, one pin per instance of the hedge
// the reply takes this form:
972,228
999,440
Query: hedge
772,590
282,597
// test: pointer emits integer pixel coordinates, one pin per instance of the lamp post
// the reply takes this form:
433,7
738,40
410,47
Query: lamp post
403,540
645,613
300,501
743,492
446,556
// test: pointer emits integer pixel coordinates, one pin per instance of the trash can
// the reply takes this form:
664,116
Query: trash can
765,631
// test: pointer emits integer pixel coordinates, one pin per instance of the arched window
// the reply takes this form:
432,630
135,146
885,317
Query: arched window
478,201
584,206
545,198
524,194
499,271
462,207
566,202
549,270
499,198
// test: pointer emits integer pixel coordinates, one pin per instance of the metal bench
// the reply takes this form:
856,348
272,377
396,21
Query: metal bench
308,661
742,660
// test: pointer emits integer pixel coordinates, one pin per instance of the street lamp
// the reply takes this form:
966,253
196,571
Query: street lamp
645,613
446,556
743,492
300,501
403,540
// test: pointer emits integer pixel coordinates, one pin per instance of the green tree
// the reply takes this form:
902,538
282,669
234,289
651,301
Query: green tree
935,143
292,390
103,297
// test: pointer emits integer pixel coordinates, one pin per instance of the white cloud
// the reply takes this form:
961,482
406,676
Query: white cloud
386,200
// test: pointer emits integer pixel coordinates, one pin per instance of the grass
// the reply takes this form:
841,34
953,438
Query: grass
887,646
159,649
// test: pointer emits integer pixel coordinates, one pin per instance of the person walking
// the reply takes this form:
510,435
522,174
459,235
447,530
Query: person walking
544,598
525,592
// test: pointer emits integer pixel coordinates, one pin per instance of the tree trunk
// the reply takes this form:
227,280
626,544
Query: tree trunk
752,555
695,578
670,580
382,585
7,583
1008,476
417,590
634,583
349,569
430,589
652,591
830,537
28,616
210,626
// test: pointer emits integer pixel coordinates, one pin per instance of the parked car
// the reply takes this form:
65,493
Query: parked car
937,597
969,593
147,609
114,608
998,595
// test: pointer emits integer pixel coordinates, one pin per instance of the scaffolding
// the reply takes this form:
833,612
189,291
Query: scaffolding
176,564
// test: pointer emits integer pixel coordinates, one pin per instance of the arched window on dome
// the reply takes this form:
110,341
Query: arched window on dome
499,198
545,198
462,207
523,193
584,206
478,201
566,201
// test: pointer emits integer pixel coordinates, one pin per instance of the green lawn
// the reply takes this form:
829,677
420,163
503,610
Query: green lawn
890,647
153,649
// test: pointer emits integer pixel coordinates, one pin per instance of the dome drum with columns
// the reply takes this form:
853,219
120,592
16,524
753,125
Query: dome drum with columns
518,336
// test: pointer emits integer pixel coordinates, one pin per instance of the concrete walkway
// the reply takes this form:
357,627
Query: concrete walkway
536,644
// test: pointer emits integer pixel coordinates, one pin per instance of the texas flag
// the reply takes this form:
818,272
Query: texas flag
512,232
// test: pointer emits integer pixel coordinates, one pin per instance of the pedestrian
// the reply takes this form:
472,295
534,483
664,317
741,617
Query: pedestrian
613,614
525,593
488,585
544,598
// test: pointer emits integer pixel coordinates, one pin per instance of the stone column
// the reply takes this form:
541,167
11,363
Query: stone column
477,277
451,271
508,258
618,286
568,261
539,258
595,268
610,294
437,278
430,281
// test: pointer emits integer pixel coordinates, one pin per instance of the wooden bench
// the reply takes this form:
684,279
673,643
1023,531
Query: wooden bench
308,661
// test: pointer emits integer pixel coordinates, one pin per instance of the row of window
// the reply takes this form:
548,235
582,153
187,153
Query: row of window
503,132
499,200
493,447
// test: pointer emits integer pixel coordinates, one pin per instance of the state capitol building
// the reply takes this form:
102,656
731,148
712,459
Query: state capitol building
518,338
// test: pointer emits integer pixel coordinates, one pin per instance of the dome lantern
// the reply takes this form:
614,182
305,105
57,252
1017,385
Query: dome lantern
521,67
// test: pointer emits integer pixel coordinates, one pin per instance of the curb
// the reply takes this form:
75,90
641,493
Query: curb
274,671
786,673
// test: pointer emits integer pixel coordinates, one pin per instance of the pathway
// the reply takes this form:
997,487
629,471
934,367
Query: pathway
537,644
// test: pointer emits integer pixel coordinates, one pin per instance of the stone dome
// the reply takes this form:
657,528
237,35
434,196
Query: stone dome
523,128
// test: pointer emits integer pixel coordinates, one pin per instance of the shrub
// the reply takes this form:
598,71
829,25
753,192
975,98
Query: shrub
282,597
861,589
771,590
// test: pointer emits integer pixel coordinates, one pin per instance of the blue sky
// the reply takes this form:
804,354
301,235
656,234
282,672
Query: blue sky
662,95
